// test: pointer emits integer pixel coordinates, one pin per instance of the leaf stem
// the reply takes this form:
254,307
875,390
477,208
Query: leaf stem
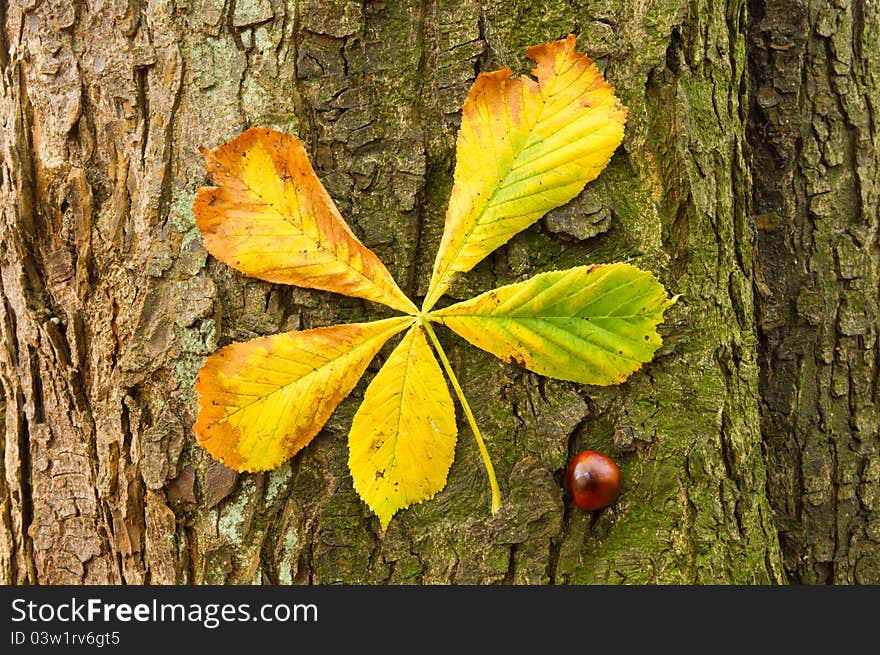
487,462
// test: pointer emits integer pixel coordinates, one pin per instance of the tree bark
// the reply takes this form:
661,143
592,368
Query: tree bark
743,121
815,133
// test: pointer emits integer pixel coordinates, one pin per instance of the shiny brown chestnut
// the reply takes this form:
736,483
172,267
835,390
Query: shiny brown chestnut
593,480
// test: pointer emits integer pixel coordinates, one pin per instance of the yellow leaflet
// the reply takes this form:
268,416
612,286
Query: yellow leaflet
262,401
524,148
270,217
402,439
590,324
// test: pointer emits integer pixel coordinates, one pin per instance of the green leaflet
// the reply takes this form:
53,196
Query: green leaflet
589,324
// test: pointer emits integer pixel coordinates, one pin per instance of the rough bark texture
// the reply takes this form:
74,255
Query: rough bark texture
109,302
815,133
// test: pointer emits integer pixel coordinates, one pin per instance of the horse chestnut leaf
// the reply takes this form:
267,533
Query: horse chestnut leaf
593,480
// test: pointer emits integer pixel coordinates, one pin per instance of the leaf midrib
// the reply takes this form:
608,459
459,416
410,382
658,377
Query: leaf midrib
566,347
436,318
396,438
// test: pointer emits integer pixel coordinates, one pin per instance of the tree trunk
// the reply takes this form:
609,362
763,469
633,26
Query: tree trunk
815,135
747,180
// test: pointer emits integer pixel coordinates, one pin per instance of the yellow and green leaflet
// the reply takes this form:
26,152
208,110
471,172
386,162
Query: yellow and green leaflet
590,324
524,147
402,439
262,401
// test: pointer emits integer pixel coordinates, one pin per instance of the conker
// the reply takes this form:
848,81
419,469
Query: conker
593,480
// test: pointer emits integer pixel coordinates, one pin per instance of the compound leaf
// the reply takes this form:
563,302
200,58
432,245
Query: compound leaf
589,324
270,217
524,147
402,439
262,401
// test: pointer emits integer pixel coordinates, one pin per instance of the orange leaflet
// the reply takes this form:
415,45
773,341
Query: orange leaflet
270,217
